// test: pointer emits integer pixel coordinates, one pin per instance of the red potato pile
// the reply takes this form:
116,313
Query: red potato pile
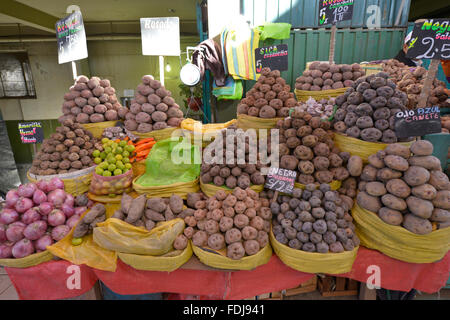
152,108
367,109
306,146
314,220
411,79
238,222
270,97
69,149
90,101
406,187
323,76
36,215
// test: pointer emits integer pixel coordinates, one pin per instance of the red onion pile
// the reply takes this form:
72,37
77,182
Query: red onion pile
36,215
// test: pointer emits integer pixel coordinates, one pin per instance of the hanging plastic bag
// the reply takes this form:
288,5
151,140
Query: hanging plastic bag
232,90
274,30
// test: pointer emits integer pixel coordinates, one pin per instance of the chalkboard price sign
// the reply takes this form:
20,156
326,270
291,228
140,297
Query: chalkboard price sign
333,11
415,123
31,132
430,40
274,57
281,180
160,36
71,38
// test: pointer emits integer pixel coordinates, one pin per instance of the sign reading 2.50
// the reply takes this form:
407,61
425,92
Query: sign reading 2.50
430,40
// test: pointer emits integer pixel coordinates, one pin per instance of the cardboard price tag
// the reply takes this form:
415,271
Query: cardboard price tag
419,122
332,11
274,57
281,180
31,132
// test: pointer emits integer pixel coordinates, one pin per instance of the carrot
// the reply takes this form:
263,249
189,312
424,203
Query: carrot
140,159
144,146
126,138
142,153
143,141
117,141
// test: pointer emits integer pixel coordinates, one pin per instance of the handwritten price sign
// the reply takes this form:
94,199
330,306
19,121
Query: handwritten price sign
281,180
333,11
419,122
71,38
31,132
430,40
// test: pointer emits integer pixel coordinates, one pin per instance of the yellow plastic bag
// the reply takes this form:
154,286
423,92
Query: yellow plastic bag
314,262
335,185
158,135
29,261
397,242
246,122
181,189
361,148
303,95
88,252
210,189
219,260
191,125
97,128
117,235
167,262
75,183
138,168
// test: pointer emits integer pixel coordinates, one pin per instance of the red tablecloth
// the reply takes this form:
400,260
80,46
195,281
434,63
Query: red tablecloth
48,280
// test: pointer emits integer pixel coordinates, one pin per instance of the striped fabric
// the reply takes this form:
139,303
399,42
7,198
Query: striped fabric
240,53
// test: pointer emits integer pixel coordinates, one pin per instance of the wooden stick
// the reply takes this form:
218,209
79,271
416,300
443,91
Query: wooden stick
275,197
332,44
425,93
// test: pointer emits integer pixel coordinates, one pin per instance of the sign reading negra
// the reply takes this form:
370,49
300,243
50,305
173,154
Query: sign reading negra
274,57
414,123
160,36
281,180
31,132
430,40
333,11
71,38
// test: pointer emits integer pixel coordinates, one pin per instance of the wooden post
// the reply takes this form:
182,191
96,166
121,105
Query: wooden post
332,44
275,197
74,70
161,70
431,75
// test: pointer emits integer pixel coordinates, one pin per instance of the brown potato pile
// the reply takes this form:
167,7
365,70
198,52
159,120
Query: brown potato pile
406,187
410,80
90,100
367,109
306,146
270,97
323,76
233,174
96,215
68,149
238,222
152,108
314,220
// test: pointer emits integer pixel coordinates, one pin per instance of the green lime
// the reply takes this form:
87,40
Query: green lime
120,165
130,148
118,150
117,172
114,145
125,154
119,157
111,195
126,160
96,153
105,140
99,171
103,165
108,150
122,143
112,167
103,155
77,241
111,160
128,166
97,160
107,173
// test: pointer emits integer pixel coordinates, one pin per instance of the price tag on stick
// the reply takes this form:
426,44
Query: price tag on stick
419,122
430,39
71,38
274,57
31,132
332,12
281,180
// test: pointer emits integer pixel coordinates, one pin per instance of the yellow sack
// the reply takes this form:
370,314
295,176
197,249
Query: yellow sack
119,236
397,242
361,148
138,168
29,261
210,189
158,134
303,95
335,185
97,128
314,262
191,125
371,68
167,262
219,260
109,200
75,183
88,252
181,189
246,122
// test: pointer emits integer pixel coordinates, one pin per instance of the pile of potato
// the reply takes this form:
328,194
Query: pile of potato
410,80
233,175
68,149
239,222
314,220
406,187
445,123
152,108
367,109
143,212
96,215
270,97
306,146
90,100
325,76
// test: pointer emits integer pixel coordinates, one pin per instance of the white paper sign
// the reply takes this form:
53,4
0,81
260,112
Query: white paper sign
160,36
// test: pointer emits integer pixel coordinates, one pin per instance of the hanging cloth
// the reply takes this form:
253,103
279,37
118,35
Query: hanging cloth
208,56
